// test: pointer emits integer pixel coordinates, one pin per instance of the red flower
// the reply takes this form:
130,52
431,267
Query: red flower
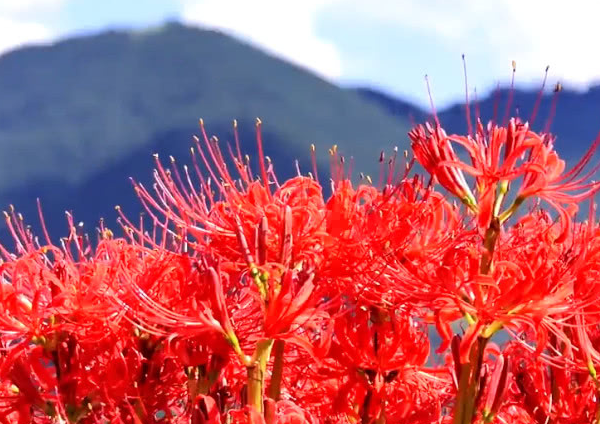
499,156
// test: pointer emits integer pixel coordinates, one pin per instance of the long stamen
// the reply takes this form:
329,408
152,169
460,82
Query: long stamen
467,105
433,110
538,100
261,157
511,93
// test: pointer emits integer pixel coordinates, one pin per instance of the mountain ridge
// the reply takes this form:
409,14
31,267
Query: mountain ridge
82,115
74,113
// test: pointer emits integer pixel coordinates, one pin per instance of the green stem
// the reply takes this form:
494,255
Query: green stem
468,386
511,210
256,374
473,391
465,408
463,384
277,374
503,189
489,243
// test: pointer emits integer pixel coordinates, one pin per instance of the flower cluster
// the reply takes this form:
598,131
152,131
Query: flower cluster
249,300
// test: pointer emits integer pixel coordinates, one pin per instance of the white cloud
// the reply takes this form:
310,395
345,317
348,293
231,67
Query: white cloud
22,22
285,28
14,33
565,36
27,7
535,33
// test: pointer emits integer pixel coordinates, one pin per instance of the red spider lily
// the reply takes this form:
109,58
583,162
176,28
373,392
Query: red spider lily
375,242
532,284
66,352
583,257
23,396
375,234
192,301
243,205
255,301
545,393
527,155
379,352
433,150
268,246
173,308
507,280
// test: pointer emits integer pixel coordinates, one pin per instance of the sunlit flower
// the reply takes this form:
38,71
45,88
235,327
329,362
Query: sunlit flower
500,157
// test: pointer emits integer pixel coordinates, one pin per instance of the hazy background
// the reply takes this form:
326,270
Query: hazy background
90,89
389,44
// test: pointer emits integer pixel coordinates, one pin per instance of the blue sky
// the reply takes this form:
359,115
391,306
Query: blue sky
390,44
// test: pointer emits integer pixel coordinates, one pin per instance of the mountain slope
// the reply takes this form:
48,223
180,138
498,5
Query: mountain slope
392,105
88,112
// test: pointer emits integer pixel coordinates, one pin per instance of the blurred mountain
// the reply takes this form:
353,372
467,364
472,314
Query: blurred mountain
575,122
80,116
394,106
